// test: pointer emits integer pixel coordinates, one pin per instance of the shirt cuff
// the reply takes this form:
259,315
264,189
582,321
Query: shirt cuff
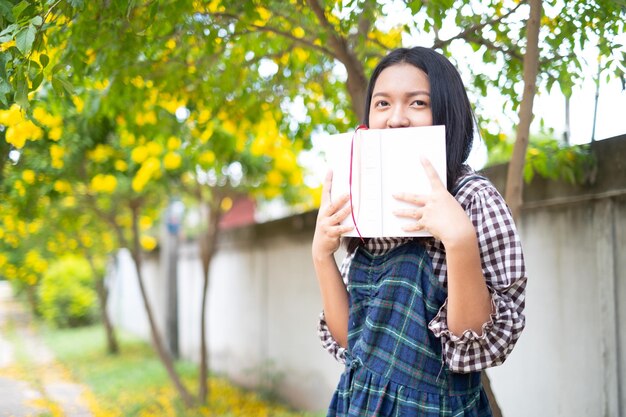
439,325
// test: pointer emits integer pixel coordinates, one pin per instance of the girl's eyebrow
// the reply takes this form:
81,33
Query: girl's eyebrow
408,94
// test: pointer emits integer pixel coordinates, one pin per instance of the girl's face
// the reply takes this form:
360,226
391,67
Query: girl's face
401,98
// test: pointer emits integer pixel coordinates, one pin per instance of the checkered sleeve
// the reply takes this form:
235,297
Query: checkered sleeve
504,271
323,332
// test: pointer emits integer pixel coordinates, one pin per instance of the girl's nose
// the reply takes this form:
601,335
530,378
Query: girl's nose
398,118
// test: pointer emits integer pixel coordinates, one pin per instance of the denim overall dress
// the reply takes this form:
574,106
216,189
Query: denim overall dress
394,364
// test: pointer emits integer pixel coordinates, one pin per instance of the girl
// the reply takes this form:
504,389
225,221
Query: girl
416,320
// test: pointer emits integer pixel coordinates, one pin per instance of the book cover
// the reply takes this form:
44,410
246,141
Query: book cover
383,162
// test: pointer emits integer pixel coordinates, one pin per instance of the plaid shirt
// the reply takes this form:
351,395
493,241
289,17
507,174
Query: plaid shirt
504,271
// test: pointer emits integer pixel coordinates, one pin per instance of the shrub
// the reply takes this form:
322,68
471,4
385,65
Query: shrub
66,293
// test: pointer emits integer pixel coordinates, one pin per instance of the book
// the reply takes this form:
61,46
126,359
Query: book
383,162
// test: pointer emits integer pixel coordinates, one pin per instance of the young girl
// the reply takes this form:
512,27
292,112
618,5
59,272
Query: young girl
415,320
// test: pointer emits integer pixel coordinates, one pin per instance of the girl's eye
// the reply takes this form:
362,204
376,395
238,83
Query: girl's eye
419,103
381,103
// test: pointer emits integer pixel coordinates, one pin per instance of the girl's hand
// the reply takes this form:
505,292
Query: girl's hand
438,213
328,229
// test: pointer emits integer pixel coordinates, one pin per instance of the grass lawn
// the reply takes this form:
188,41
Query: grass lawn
135,384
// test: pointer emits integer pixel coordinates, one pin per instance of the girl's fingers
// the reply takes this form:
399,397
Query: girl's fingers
418,200
433,177
335,206
326,187
409,213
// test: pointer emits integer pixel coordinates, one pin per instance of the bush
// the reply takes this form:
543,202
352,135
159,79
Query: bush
66,294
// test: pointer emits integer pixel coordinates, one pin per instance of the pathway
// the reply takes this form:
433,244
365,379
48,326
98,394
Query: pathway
31,381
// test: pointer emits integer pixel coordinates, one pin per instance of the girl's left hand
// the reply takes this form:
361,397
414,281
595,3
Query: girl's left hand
438,212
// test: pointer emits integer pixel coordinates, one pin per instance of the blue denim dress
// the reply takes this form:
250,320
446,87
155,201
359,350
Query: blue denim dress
394,362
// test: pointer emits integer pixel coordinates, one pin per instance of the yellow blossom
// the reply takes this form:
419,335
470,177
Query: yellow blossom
154,148
56,154
55,133
227,204
298,32
19,187
170,44
6,45
62,186
145,222
139,154
90,55
28,176
12,116
18,134
274,178
78,103
206,159
148,243
69,202
173,143
171,161
101,153
104,183
121,165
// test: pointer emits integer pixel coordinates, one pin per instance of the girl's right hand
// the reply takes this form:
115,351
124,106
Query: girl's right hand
328,229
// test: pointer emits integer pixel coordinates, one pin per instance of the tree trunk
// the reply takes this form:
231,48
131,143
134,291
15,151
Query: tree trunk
112,345
164,356
515,177
207,249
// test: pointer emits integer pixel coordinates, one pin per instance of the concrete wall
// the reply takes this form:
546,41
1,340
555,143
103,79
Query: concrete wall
264,302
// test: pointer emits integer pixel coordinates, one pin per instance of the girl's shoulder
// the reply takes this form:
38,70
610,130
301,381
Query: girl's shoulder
474,187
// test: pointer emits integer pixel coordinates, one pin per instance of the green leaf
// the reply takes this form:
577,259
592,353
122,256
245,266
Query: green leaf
19,8
44,60
36,21
9,29
37,81
5,89
6,10
25,38
21,90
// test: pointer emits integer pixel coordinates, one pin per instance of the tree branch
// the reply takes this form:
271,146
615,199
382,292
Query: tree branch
439,43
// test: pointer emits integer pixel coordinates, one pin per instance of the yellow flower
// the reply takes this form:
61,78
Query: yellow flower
274,178
227,204
154,148
173,143
19,187
298,32
121,165
139,154
101,153
55,133
56,153
103,183
148,243
171,161
145,222
206,159
12,116
170,44
78,103
18,134
6,45
62,186
28,176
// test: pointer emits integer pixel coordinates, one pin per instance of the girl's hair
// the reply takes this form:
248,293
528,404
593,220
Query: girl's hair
449,104
448,100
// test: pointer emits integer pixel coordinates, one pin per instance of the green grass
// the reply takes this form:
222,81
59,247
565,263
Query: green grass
135,384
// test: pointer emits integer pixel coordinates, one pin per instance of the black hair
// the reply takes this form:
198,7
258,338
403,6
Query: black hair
449,104
448,100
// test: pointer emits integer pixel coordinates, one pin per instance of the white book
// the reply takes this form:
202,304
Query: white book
384,162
